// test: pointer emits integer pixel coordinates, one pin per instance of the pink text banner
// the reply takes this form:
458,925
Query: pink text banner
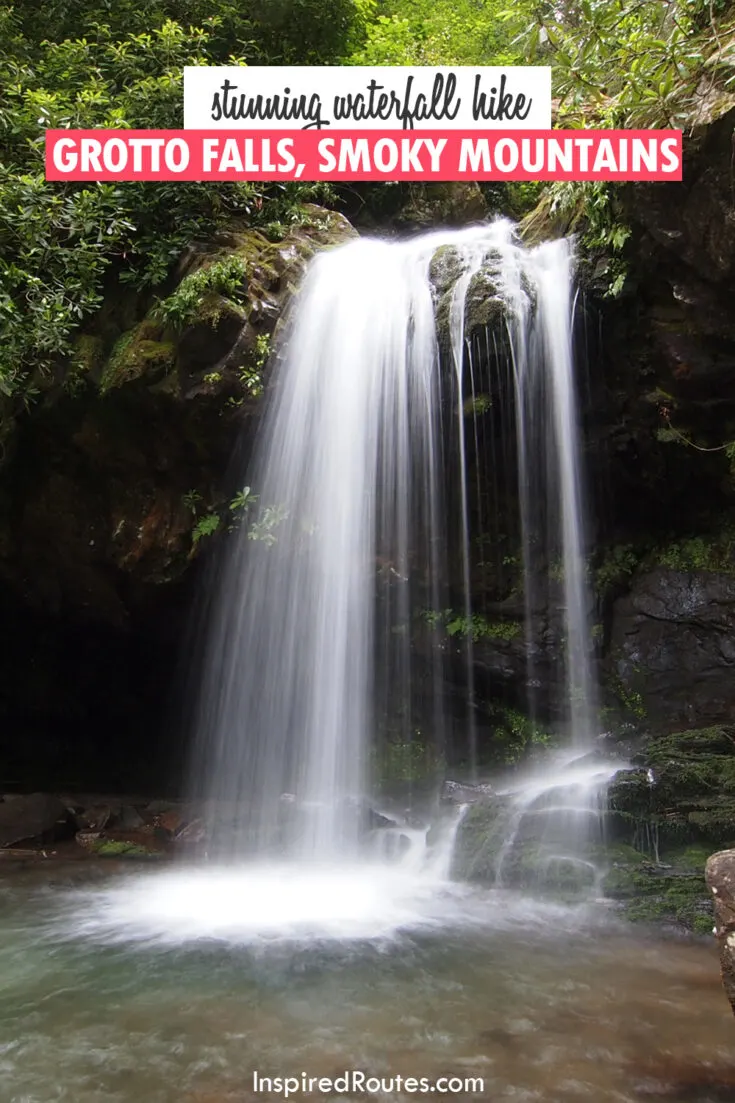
446,155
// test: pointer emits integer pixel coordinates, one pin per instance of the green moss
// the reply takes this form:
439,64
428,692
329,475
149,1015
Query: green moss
86,357
483,307
133,356
110,848
479,841
477,406
680,813
681,900
407,760
445,268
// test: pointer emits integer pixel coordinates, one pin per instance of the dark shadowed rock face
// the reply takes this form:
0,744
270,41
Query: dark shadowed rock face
29,817
102,486
721,881
673,642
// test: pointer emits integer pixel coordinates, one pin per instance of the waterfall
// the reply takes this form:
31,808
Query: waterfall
309,649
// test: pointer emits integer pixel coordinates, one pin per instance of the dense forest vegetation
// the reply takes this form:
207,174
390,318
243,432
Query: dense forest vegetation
117,63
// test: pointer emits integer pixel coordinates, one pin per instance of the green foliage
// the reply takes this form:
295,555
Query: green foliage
262,349
631,699
618,564
700,553
442,32
515,735
205,526
224,277
592,209
243,500
628,64
191,501
475,627
92,64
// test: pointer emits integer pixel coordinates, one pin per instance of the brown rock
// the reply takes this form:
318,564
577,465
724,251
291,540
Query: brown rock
720,876
31,817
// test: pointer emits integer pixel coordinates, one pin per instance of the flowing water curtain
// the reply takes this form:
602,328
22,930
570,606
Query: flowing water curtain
309,645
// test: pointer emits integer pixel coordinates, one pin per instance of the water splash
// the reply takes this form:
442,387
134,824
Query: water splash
552,824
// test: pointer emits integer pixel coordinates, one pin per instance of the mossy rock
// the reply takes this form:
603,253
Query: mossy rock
679,806
114,848
650,893
483,308
480,839
445,269
684,788
88,353
135,356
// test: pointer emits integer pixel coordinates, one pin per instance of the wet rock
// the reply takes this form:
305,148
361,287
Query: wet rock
88,839
96,818
378,819
457,792
35,816
129,819
673,644
480,840
192,833
170,821
666,817
161,806
720,875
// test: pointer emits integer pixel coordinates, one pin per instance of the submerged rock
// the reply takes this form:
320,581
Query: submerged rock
720,874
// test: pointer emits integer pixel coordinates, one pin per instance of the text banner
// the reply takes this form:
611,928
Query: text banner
347,155
367,98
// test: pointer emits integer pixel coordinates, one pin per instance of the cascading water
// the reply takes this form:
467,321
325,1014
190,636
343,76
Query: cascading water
309,641
302,644
548,824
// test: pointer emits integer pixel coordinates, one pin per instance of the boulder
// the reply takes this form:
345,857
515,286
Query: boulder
456,792
32,817
720,875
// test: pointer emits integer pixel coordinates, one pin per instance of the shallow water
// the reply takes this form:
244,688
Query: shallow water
171,986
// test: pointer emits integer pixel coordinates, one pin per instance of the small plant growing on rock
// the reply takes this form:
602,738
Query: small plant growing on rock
205,526
224,277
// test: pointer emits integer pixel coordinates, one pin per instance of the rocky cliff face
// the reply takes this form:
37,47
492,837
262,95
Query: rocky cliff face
669,373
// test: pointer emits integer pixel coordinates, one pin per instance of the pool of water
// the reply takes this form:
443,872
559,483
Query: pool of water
176,987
